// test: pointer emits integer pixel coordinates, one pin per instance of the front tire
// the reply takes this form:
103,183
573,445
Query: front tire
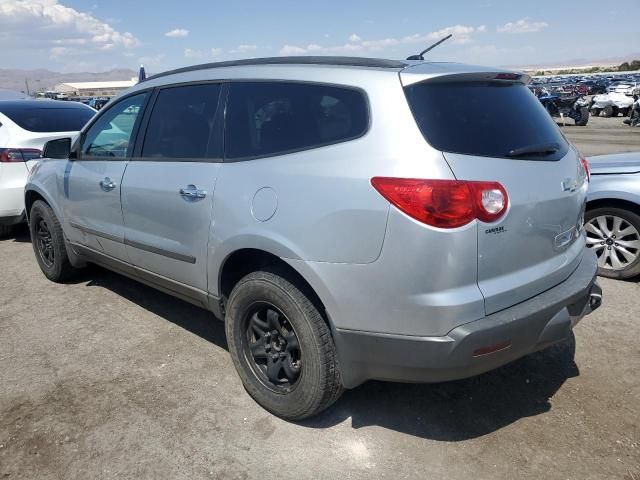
614,234
281,346
47,240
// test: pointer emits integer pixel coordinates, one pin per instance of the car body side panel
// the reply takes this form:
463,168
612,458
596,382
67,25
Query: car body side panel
617,186
325,209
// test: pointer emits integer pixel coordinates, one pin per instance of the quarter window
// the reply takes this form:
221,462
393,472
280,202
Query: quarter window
110,135
271,118
182,124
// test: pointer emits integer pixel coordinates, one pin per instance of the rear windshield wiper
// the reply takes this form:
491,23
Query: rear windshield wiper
540,148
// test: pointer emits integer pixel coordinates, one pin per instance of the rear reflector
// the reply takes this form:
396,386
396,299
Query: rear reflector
585,165
444,203
498,347
19,154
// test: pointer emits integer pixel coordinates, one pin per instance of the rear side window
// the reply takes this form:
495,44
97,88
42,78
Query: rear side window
58,119
182,123
483,118
271,118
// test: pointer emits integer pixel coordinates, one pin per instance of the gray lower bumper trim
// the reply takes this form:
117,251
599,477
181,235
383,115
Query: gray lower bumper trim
524,328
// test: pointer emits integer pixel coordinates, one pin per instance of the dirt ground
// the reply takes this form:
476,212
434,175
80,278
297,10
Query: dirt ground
107,378
603,135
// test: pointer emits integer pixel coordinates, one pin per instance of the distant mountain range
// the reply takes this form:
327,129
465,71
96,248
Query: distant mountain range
579,62
41,80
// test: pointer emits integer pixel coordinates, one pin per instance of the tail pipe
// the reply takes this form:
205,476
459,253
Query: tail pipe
595,299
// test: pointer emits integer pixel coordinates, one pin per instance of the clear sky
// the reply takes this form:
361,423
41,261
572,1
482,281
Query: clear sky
95,35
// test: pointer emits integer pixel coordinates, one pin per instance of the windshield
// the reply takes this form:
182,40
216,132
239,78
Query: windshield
58,119
488,119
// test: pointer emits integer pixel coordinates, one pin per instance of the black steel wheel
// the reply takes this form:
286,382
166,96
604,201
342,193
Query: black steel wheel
44,243
48,243
281,345
271,347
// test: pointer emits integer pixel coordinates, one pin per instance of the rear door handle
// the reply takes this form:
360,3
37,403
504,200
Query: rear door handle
107,184
190,192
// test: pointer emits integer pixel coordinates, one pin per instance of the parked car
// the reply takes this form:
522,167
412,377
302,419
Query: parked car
612,219
572,105
348,218
626,88
25,126
611,104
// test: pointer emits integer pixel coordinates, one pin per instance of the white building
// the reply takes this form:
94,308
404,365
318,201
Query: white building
94,89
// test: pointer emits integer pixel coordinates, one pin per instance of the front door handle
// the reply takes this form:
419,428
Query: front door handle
190,192
107,184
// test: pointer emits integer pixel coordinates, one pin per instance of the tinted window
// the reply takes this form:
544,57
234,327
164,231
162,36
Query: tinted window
268,118
110,135
182,123
483,118
57,119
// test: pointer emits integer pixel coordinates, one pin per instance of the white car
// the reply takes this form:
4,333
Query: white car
626,88
611,104
25,126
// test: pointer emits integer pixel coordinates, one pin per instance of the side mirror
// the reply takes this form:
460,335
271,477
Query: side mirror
59,148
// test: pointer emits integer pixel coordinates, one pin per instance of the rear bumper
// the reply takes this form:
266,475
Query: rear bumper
514,332
13,220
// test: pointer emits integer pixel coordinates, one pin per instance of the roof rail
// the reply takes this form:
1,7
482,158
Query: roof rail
301,60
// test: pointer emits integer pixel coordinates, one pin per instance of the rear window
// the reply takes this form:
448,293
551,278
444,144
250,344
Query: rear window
272,118
58,119
483,118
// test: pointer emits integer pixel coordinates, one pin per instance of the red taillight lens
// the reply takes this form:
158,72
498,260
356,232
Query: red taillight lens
585,165
19,154
444,203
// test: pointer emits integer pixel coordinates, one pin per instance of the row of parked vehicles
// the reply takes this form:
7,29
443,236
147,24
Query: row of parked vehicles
349,219
579,98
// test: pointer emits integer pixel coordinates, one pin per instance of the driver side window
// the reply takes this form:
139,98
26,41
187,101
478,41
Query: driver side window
110,136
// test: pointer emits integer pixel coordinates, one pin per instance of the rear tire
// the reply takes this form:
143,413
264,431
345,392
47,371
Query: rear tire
630,221
607,111
269,317
48,244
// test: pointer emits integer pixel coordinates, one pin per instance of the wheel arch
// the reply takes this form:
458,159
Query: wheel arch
614,203
243,261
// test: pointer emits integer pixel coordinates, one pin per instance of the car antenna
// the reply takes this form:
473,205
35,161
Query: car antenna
420,56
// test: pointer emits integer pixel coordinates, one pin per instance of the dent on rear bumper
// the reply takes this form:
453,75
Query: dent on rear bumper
527,327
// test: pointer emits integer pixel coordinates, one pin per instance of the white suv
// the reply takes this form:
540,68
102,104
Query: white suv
25,126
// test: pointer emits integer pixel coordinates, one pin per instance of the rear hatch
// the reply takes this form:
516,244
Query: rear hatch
490,127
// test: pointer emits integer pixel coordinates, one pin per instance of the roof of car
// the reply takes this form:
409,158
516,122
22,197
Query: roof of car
14,105
295,60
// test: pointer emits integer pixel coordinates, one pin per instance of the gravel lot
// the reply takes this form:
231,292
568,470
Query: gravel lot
107,378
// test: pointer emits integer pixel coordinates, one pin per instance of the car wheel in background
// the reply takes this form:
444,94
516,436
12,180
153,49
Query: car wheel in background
281,346
614,234
607,111
584,117
624,112
595,112
47,240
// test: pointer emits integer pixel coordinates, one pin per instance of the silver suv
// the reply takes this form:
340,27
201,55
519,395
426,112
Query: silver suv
348,218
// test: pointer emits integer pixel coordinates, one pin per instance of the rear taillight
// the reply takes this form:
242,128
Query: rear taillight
444,203
19,154
585,165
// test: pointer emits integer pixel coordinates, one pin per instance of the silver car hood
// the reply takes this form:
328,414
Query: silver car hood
615,163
